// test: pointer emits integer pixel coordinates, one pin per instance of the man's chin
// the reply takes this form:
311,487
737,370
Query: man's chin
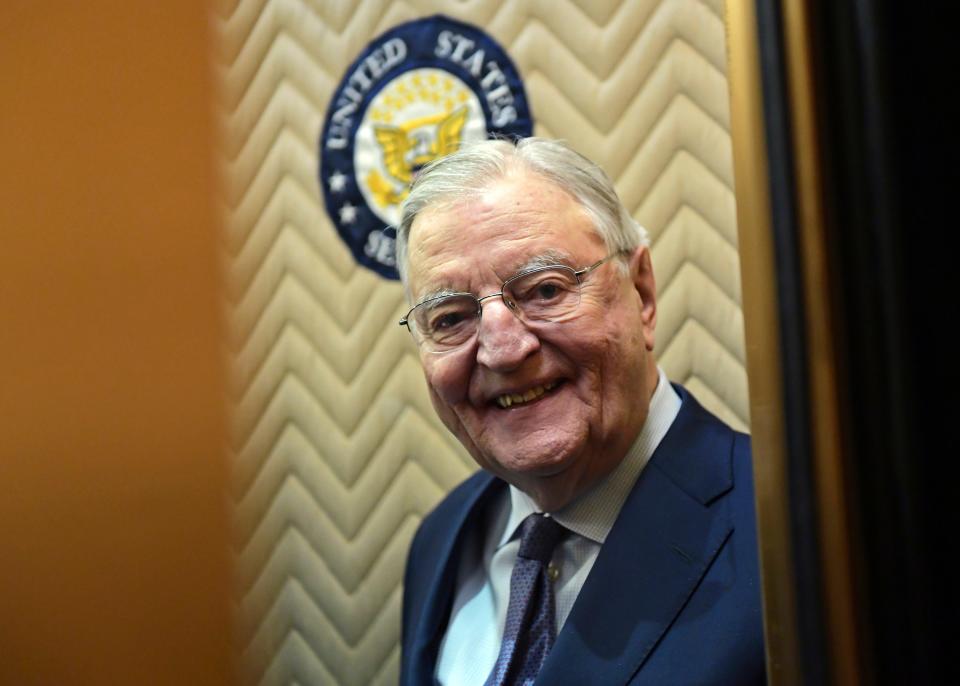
548,477
531,460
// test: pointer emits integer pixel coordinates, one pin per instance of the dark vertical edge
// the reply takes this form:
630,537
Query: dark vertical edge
881,65
804,519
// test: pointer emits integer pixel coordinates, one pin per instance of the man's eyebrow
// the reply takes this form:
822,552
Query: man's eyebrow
546,259
437,293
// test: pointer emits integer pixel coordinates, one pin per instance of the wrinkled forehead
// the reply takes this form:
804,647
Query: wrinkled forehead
439,227
474,242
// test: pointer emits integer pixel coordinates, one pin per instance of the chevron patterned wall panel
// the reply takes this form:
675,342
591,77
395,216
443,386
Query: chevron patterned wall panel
337,452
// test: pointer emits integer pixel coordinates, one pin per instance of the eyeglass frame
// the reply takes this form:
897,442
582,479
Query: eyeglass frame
578,273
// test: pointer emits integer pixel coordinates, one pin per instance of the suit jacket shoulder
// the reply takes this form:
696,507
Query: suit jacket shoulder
674,596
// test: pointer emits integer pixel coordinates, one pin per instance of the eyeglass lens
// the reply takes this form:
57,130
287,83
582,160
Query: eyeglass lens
540,295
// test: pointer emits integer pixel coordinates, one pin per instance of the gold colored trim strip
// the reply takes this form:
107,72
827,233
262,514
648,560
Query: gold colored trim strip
833,523
762,325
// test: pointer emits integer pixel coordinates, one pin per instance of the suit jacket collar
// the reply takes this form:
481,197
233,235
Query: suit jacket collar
662,544
465,517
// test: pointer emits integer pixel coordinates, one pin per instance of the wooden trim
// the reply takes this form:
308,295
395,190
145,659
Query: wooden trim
762,326
833,522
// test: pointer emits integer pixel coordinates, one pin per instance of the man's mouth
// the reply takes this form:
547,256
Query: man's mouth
511,399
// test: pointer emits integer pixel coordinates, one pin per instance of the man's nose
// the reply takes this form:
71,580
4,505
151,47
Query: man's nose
503,340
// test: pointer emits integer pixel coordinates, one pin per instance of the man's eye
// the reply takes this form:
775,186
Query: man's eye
547,291
446,321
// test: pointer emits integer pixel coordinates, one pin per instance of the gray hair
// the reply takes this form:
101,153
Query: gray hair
469,170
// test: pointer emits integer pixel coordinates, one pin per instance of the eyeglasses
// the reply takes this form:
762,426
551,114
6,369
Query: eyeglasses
544,294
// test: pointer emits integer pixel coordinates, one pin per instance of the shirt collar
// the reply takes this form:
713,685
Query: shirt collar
592,514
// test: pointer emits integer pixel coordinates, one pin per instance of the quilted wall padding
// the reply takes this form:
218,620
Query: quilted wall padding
337,452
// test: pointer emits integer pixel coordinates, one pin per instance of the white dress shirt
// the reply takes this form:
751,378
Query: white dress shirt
472,641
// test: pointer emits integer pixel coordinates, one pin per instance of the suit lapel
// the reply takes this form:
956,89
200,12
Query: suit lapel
463,522
668,533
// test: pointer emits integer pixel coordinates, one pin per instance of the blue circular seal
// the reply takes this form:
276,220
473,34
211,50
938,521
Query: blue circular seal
415,93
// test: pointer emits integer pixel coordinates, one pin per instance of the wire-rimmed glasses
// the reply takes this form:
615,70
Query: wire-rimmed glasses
543,294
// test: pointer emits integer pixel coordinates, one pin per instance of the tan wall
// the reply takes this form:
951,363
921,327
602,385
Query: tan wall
113,546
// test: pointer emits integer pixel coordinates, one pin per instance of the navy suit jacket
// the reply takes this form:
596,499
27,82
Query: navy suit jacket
674,595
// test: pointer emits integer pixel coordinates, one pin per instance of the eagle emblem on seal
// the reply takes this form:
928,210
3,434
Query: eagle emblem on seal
408,147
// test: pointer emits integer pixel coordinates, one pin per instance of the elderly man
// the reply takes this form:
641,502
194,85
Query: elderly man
609,537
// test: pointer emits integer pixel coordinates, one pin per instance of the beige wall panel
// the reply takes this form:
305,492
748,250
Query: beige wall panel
337,452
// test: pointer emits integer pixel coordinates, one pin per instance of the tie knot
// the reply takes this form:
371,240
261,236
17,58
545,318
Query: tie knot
539,535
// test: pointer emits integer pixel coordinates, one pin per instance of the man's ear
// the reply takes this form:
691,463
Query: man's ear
641,273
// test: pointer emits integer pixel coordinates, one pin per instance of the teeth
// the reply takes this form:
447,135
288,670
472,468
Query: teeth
509,399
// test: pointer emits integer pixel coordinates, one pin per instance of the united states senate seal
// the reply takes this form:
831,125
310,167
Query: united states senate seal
417,92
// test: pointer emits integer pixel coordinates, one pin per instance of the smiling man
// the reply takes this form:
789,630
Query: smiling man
610,535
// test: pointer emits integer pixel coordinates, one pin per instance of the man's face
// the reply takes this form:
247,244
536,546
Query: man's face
596,368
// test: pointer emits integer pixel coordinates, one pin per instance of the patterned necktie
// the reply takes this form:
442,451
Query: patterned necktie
529,632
